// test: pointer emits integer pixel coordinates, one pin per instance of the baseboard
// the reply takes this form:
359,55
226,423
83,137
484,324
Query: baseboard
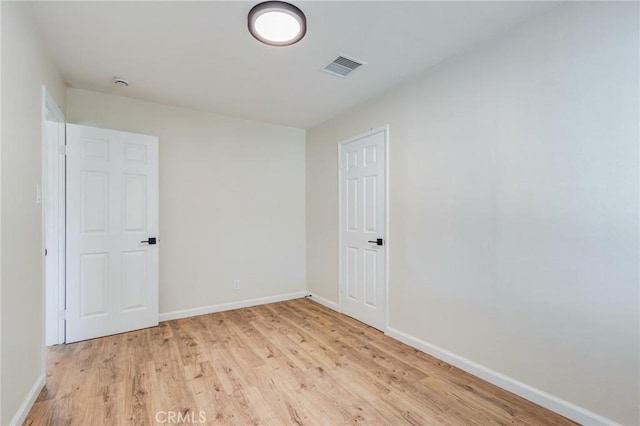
28,402
186,313
553,403
325,302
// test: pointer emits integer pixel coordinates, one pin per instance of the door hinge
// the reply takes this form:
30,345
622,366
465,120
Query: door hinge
62,150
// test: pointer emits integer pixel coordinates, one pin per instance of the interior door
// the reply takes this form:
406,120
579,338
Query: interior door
362,228
112,220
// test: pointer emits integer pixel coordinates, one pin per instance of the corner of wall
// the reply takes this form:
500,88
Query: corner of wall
26,67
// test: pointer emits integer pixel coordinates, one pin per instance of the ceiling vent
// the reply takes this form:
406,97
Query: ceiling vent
343,66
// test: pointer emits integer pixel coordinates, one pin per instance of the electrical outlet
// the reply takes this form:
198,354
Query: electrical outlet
236,285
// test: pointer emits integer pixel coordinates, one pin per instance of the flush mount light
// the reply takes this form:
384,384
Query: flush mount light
277,23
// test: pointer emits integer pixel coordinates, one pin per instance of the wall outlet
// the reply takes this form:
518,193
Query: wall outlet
236,285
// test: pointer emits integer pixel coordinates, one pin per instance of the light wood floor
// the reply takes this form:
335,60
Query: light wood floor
294,362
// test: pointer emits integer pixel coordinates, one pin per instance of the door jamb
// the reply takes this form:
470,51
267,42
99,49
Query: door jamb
384,129
54,326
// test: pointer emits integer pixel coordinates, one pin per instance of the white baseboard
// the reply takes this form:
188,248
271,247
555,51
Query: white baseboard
325,302
553,403
186,313
28,402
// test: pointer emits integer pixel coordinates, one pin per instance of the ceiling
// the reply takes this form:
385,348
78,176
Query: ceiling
200,55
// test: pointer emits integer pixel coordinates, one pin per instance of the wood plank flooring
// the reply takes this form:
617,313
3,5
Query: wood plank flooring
293,362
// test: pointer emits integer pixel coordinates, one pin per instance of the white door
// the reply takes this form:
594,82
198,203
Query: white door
112,218
362,228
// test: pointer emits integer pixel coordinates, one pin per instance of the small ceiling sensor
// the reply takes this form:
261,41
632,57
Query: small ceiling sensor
119,81
277,23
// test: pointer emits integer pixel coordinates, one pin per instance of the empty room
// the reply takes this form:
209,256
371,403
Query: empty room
320,213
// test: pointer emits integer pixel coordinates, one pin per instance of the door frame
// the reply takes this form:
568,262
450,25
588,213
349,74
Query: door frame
384,129
54,284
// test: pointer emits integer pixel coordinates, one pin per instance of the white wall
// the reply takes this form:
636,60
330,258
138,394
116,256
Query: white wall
25,68
231,199
513,205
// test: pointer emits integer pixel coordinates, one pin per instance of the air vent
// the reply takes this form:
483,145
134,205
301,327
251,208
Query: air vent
343,66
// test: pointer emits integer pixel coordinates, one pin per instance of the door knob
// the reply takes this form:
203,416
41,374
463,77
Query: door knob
378,241
150,241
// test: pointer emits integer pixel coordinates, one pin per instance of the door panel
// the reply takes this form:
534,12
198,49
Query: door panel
352,204
363,219
134,278
112,207
370,277
94,276
352,273
134,200
370,203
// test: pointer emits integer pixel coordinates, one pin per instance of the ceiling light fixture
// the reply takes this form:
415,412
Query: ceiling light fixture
277,23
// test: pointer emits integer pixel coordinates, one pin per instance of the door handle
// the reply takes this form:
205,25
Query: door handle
150,241
378,241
